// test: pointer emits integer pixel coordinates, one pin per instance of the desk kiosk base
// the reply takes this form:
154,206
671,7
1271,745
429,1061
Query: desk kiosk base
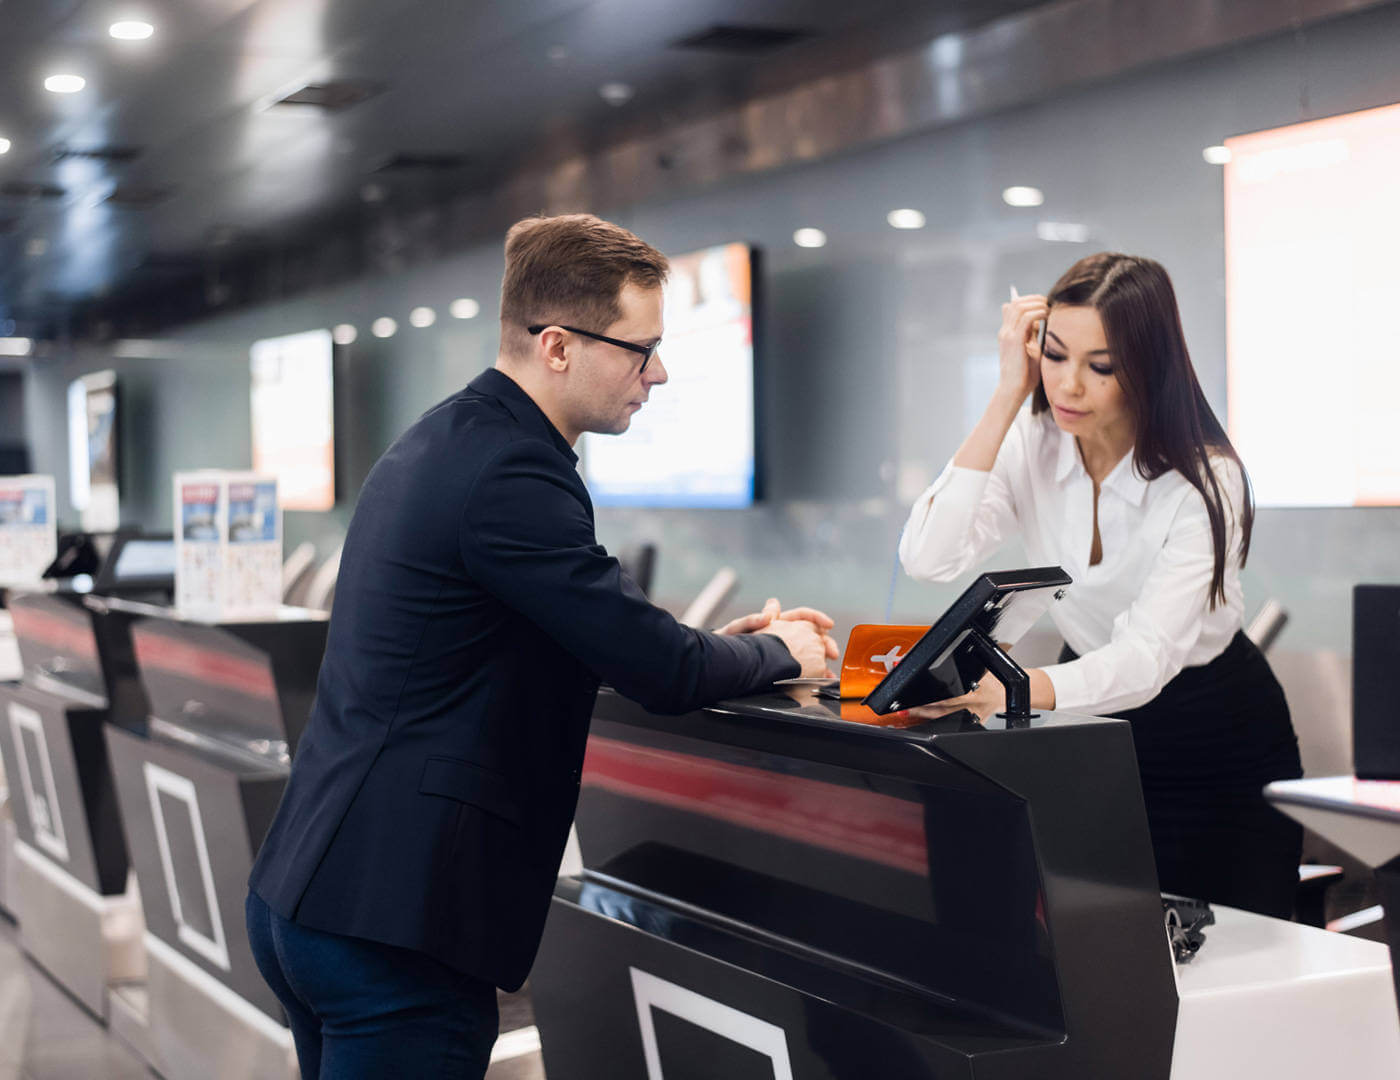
86,941
201,1028
129,1019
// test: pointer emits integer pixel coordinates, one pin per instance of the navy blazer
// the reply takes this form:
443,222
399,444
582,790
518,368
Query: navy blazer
475,613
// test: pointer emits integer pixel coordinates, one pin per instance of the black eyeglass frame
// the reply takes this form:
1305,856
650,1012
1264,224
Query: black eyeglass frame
646,352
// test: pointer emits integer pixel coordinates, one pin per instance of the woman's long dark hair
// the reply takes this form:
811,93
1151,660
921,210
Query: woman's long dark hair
1175,427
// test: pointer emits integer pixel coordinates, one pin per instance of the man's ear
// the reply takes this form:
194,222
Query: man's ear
551,346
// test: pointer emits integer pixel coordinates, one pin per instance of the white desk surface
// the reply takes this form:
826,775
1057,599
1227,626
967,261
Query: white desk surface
1267,998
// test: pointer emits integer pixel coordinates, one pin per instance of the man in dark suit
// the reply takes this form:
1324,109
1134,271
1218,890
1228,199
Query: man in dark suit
409,868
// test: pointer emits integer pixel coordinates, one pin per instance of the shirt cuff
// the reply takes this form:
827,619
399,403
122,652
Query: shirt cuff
1071,690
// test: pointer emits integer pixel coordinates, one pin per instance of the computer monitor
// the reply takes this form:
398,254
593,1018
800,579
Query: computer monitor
961,647
138,564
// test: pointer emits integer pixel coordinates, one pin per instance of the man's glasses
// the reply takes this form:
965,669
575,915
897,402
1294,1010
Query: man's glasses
646,352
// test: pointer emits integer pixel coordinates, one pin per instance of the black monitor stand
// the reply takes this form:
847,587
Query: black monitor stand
1007,672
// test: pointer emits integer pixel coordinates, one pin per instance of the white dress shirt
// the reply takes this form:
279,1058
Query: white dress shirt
1139,616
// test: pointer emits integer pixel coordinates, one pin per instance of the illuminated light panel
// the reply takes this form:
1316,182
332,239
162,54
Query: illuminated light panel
422,317
4,146
384,327
906,219
809,238
64,84
1022,196
1302,358
344,334
1217,155
464,308
1062,232
616,93
131,30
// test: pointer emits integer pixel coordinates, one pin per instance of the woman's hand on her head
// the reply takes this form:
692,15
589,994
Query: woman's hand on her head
1018,346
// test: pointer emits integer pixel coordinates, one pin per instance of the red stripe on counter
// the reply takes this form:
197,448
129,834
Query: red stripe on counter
73,636
247,677
877,828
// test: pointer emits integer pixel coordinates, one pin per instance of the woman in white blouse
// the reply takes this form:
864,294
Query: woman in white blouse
1120,472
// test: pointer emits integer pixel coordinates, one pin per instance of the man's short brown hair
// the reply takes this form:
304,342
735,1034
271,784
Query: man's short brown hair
570,269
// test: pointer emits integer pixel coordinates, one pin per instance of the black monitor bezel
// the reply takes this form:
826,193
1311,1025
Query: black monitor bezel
106,580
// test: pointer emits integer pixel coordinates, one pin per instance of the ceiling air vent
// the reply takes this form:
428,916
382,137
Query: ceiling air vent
743,40
114,155
138,196
332,96
30,189
422,163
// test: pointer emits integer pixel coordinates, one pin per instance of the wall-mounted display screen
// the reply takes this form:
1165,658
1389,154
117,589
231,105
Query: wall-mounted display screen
92,450
1311,236
693,443
294,417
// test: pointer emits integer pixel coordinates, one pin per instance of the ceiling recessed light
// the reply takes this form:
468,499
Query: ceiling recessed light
465,308
906,219
16,346
344,334
4,146
422,317
1062,232
809,238
1217,155
131,30
616,93
383,327
1023,196
64,84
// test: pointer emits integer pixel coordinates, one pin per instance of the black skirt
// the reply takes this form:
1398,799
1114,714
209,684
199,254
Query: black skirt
1206,746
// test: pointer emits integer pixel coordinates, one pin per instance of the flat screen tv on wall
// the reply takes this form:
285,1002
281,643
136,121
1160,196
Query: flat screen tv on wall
693,444
1311,236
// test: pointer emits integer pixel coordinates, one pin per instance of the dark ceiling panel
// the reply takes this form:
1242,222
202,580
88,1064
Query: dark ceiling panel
494,85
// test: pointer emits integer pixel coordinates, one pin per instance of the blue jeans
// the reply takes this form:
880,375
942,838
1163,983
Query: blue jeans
359,1009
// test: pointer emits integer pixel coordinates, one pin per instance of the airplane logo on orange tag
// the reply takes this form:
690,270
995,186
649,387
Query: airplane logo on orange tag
872,651
889,659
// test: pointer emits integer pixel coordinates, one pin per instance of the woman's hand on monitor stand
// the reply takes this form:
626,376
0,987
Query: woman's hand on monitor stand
989,698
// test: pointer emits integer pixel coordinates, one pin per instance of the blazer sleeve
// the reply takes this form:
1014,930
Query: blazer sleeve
526,536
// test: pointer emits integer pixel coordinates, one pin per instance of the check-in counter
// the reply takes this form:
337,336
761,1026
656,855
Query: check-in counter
770,891
69,889
775,892
198,790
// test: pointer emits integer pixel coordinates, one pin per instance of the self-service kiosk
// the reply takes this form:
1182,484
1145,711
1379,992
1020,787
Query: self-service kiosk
198,790
69,890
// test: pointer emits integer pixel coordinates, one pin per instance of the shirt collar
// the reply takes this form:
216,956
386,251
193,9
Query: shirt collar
1068,460
497,384
1124,480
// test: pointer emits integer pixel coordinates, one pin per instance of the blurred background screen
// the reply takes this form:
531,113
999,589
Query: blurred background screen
1311,237
692,445
293,417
